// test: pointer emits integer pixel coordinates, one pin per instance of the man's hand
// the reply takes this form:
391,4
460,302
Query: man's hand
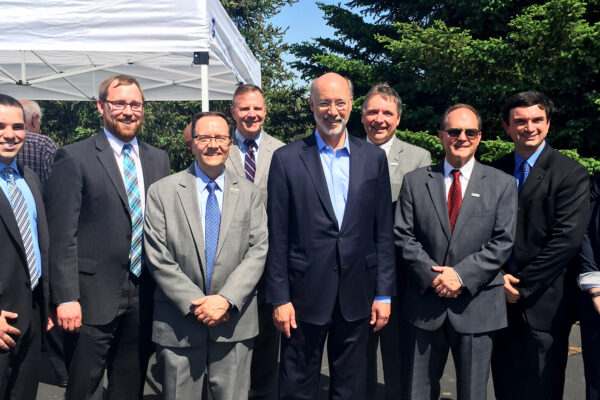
446,284
211,310
511,293
380,315
596,300
284,318
68,316
6,330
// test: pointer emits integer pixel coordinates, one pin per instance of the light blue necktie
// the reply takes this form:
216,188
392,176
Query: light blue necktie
135,207
212,223
523,174
17,201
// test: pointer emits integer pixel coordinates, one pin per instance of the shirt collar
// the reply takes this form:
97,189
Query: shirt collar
117,144
205,179
465,170
387,146
12,165
241,139
532,159
321,145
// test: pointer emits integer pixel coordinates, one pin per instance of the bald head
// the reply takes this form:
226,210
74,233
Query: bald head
331,103
33,115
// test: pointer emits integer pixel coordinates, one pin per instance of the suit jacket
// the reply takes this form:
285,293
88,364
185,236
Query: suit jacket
477,247
551,222
312,261
174,243
268,144
15,282
90,224
590,248
402,159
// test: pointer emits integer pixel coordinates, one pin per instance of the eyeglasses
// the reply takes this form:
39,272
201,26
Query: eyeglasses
119,105
469,133
339,104
220,140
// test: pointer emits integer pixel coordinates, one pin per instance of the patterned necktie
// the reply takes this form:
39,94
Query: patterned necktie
523,174
135,208
22,216
249,160
212,223
454,198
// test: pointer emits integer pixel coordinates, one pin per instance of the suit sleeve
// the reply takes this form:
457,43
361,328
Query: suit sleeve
411,255
278,211
63,196
160,261
384,235
242,281
590,248
479,269
564,238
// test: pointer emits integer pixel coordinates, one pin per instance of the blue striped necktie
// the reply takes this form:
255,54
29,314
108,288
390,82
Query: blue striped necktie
523,174
250,159
17,201
135,208
212,223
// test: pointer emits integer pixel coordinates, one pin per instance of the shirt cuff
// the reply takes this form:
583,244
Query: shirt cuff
589,280
383,299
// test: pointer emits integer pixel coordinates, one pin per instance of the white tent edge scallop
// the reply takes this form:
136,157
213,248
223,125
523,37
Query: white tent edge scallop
63,50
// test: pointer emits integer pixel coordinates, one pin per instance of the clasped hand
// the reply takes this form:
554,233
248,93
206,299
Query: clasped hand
211,310
446,284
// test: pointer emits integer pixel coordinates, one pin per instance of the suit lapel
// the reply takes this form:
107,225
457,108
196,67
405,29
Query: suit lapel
312,162
475,186
188,196
231,193
8,216
147,166
437,193
537,173
236,160
109,163
264,158
394,158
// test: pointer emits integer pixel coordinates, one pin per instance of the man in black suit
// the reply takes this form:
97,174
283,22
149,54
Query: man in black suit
95,204
530,356
589,304
330,268
24,251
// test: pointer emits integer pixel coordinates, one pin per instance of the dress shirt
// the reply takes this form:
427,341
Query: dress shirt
31,208
201,181
387,146
243,148
117,146
531,161
336,166
589,280
464,177
38,154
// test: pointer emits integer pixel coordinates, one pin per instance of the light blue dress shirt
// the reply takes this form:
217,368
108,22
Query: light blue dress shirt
531,161
31,209
243,148
201,181
336,167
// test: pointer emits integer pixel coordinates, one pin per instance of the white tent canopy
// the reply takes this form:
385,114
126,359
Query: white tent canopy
63,50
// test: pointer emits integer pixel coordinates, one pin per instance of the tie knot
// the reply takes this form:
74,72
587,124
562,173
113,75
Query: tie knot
455,173
9,174
525,166
127,148
211,186
250,143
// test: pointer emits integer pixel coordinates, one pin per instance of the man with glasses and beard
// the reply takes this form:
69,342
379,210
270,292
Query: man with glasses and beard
95,198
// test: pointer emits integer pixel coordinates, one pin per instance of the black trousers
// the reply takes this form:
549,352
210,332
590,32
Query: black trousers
590,340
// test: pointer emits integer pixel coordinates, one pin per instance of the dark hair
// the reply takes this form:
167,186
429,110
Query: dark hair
456,107
122,79
528,99
202,114
7,101
387,92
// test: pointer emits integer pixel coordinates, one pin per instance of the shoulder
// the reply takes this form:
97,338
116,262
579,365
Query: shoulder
294,148
495,173
420,174
150,149
271,141
413,149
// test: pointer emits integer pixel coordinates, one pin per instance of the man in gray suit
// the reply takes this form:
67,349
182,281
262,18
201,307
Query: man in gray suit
381,112
206,243
250,158
454,229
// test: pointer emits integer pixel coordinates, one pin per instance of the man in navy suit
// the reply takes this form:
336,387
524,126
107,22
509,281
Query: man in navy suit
330,269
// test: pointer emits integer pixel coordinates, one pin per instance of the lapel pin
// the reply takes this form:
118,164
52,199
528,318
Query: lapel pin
475,194
394,164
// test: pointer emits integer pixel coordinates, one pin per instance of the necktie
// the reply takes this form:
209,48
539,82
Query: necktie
212,223
454,198
523,174
22,216
135,208
249,160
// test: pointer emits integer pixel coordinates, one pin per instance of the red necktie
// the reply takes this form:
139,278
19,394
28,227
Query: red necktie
454,198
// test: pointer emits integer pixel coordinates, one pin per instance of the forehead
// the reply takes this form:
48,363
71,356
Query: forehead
254,98
117,91
11,115
378,102
332,88
461,117
212,124
534,111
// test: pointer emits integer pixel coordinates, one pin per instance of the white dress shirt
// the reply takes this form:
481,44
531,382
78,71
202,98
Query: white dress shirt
464,177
